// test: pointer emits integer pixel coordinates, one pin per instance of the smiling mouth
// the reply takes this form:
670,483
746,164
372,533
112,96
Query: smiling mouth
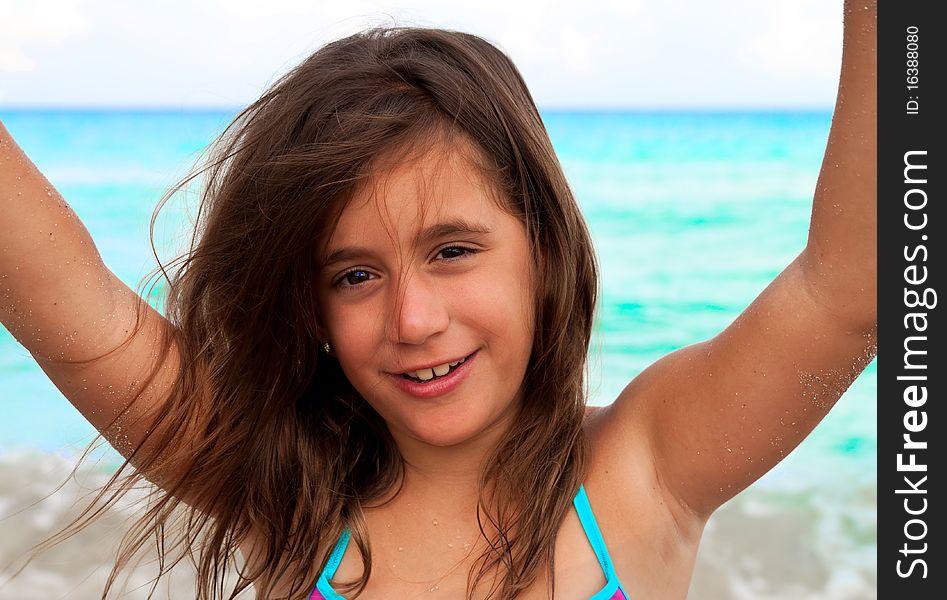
435,378
450,370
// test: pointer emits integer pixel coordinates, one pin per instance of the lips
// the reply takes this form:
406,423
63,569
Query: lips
427,374
435,364
438,386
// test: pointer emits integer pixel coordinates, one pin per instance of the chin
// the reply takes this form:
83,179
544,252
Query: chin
445,436
445,429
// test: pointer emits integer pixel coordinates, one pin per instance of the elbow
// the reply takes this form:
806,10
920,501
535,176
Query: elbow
848,291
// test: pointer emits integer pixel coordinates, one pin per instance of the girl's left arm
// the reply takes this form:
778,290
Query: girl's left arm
713,417
840,258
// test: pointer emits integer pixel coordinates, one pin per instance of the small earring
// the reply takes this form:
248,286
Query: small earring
327,348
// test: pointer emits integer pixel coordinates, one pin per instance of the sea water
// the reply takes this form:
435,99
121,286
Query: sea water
692,215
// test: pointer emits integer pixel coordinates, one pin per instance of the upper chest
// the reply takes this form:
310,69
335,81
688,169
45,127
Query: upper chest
422,558
437,563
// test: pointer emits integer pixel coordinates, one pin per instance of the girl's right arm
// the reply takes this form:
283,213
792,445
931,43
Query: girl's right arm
64,305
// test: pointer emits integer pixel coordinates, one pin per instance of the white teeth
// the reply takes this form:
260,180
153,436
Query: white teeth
439,370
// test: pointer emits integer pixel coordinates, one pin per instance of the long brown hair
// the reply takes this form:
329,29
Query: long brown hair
279,443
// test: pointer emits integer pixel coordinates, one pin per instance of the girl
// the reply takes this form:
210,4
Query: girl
369,379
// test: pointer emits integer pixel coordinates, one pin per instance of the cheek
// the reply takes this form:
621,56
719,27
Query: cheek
354,337
499,300
518,290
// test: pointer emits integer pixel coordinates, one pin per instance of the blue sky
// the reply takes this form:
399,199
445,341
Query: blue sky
593,54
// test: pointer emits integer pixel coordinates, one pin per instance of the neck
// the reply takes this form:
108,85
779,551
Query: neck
447,478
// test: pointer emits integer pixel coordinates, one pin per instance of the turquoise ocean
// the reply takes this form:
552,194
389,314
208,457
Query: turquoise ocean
692,215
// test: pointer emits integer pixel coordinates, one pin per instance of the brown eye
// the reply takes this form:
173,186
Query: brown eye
463,251
352,278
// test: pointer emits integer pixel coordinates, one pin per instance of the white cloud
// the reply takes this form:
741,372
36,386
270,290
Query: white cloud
13,59
799,39
27,25
611,53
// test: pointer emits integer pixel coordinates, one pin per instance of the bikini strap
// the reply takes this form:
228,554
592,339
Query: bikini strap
592,532
582,507
336,557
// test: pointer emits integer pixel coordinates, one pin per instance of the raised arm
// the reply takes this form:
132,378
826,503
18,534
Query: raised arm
715,416
65,306
841,254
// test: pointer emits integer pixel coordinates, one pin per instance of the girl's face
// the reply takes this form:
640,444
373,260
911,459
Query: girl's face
425,270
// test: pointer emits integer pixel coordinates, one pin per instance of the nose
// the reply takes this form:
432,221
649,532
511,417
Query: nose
420,311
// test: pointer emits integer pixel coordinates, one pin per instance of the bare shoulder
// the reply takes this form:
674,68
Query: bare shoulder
651,538
622,462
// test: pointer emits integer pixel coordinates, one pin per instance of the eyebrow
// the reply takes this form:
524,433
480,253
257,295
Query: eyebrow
457,225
